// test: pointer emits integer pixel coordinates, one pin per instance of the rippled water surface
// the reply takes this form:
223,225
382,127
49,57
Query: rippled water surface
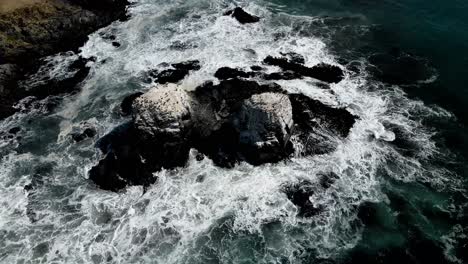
401,192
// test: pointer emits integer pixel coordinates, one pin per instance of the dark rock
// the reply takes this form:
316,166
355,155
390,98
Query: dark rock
49,27
199,157
242,16
116,44
316,124
229,73
87,133
233,121
171,76
294,57
286,75
323,72
14,130
328,179
42,29
188,65
257,68
122,164
299,194
126,105
180,71
48,86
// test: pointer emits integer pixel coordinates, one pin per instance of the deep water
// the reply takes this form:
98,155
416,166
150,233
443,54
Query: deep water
401,192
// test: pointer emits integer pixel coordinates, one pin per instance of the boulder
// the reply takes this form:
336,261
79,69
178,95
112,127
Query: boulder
163,120
243,17
264,124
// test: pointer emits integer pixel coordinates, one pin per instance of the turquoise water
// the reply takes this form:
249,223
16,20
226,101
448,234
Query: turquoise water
396,201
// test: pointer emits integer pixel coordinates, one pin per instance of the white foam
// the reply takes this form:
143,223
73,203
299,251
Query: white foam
179,216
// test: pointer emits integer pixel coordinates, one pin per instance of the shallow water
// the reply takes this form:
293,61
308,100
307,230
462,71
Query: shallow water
401,192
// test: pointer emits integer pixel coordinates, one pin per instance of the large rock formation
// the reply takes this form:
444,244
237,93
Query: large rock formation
233,121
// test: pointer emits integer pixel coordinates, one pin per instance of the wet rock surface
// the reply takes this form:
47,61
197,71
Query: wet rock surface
322,71
236,120
243,17
299,194
175,74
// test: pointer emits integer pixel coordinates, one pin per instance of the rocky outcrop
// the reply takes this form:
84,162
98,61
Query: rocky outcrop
243,17
175,74
43,28
51,26
233,121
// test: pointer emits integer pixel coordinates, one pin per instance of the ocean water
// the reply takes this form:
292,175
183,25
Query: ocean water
401,195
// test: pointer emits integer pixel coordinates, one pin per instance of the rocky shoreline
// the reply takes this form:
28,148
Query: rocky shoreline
33,31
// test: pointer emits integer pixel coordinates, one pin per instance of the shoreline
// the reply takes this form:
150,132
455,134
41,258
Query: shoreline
31,30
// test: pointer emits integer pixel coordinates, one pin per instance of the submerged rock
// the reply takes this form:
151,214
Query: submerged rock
178,73
242,16
225,73
323,72
299,194
87,133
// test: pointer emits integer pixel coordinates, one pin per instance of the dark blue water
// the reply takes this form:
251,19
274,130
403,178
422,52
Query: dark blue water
410,229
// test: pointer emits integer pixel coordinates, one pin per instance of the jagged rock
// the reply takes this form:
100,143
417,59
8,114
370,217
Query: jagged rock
122,164
233,121
317,126
193,65
323,72
14,130
294,57
285,75
127,103
299,194
264,124
242,16
225,73
89,132
178,73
